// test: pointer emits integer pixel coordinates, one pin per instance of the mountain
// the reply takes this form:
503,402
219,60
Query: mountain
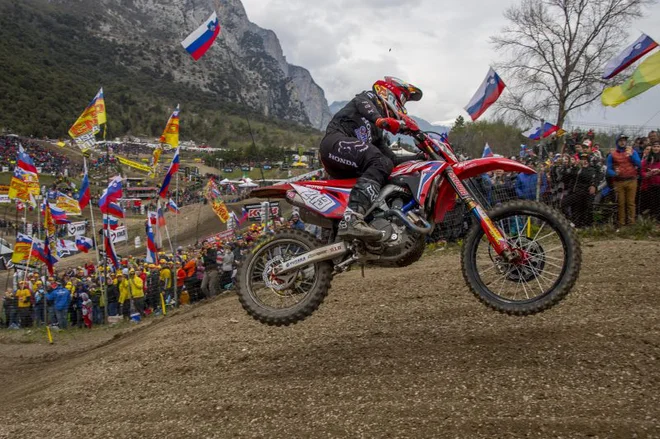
423,124
132,48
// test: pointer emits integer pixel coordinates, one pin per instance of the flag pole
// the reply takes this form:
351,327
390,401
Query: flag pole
176,241
96,249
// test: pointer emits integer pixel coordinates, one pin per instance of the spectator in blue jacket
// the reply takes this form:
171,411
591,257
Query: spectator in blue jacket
296,222
61,297
526,185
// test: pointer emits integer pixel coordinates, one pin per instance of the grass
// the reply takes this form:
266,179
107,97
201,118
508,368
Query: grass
644,229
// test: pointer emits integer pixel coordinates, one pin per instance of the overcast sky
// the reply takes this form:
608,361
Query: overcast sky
444,50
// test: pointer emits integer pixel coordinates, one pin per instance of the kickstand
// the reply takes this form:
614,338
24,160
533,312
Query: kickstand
362,269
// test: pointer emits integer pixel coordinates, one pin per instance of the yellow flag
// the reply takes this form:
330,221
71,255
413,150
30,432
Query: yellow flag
645,76
23,186
220,210
171,133
49,223
90,119
22,249
154,160
68,204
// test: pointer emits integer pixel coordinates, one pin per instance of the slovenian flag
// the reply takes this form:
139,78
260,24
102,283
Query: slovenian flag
58,215
487,151
84,244
202,38
110,222
84,195
172,207
110,249
41,251
174,166
151,244
244,216
113,209
629,55
538,133
24,161
111,194
486,95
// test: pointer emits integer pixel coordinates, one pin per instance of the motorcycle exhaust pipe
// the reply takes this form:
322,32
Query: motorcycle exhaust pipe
324,253
428,228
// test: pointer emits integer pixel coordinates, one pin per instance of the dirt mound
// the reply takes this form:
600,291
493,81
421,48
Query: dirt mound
400,353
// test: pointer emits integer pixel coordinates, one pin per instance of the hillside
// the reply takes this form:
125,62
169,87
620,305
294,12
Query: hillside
57,54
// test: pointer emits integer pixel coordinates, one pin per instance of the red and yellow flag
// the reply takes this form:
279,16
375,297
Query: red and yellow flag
171,133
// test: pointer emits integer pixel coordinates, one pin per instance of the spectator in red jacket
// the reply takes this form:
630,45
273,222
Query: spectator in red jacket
651,181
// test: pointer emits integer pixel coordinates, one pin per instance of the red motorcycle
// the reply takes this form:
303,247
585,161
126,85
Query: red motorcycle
521,258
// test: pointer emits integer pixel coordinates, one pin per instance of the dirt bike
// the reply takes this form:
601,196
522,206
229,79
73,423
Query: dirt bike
521,258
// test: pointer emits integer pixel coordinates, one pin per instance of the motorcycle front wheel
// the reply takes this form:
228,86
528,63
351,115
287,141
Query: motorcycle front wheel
548,267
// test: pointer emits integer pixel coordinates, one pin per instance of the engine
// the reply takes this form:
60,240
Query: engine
400,247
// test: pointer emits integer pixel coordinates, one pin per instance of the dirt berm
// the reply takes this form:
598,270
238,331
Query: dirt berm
400,353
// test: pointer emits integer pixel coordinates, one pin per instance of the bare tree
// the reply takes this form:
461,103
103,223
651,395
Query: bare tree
555,51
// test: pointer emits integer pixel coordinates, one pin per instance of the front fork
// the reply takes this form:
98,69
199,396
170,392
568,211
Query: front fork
493,233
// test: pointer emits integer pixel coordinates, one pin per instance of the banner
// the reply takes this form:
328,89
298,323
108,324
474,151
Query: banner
76,229
254,211
68,204
222,236
132,164
4,198
66,248
119,235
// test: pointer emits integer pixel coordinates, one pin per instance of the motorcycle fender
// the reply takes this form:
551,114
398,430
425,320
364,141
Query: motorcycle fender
446,199
472,168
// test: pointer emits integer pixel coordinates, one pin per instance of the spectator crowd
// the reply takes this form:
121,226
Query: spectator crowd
583,177
50,161
75,297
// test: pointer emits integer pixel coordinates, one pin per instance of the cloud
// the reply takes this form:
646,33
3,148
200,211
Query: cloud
444,50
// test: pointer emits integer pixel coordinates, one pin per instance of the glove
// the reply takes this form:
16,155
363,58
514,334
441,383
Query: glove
388,123
411,125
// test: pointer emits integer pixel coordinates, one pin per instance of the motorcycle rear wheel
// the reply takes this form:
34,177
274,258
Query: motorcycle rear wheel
536,231
306,287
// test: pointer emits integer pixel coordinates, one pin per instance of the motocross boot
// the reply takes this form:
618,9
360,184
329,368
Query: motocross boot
353,225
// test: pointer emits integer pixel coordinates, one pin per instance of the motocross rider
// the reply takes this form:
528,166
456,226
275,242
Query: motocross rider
355,145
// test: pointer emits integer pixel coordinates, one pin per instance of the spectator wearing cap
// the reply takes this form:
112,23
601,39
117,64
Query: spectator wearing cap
137,290
39,302
651,181
296,223
124,295
623,166
24,297
112,295
228,266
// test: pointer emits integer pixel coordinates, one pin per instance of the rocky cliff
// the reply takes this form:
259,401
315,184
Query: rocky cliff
245,66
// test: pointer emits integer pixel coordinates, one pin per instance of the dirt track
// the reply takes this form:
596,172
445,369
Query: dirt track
385,356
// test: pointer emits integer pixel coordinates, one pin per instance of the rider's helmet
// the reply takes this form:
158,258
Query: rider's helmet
394,93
